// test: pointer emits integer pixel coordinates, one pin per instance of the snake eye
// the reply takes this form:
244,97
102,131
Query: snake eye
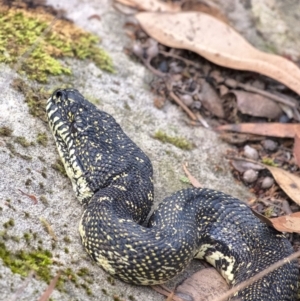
60,94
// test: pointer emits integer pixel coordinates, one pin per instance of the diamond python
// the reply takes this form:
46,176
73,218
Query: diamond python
112,179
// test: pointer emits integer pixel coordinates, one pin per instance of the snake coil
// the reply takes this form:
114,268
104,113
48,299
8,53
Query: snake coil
112,179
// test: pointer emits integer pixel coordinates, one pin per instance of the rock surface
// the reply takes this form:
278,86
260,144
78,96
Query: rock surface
126,96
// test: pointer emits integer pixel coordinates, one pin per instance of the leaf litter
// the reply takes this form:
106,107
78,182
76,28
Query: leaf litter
247,108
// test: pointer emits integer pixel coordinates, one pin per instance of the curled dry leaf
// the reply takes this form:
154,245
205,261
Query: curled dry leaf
288,182
256,105
296,149
287,223
282,130
151,5
242,166
210,99
203,285
218,43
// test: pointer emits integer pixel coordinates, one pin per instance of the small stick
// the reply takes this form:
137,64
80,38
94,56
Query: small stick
249,88
258,276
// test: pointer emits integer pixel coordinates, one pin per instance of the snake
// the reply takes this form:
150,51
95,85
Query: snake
113,180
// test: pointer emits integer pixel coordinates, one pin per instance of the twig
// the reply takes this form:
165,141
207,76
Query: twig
258,276
202,120
175,56
246,160
192,179
235,84
166,292
179,102
16,296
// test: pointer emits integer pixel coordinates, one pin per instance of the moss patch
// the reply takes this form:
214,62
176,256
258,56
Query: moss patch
5,131
23,141
59,166
42,139
36,98
20,42
176,141
22,262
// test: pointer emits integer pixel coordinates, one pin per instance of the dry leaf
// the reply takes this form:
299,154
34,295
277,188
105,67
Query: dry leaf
202,286
242,166
282,130
151,5
256,105
218,43
192,179
210,99
287,223
47,293
288,182
296,149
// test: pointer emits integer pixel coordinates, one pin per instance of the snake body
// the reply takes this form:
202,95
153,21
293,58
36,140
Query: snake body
112,179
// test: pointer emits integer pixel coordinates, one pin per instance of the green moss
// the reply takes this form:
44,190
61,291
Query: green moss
23,141
42,139
87,289
15,153
42,160
185,180
22,262
27,237
269,161
67,239
43,173
66,250
104,291
21,29
5,131
9,224
111,280
44,200
58,166
177,141
28,182
83,272
70,275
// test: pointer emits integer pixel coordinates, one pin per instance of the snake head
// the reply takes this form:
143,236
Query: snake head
67,112
95,151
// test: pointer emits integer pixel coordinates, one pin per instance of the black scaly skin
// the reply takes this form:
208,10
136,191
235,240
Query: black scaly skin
112,178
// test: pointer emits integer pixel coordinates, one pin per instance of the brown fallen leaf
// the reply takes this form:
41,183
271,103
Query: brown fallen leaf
282,130
192,179
47,293
287,223
242,166
210,99
288,182
218,43
296,149
206,284
151,5
31,196
256,105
